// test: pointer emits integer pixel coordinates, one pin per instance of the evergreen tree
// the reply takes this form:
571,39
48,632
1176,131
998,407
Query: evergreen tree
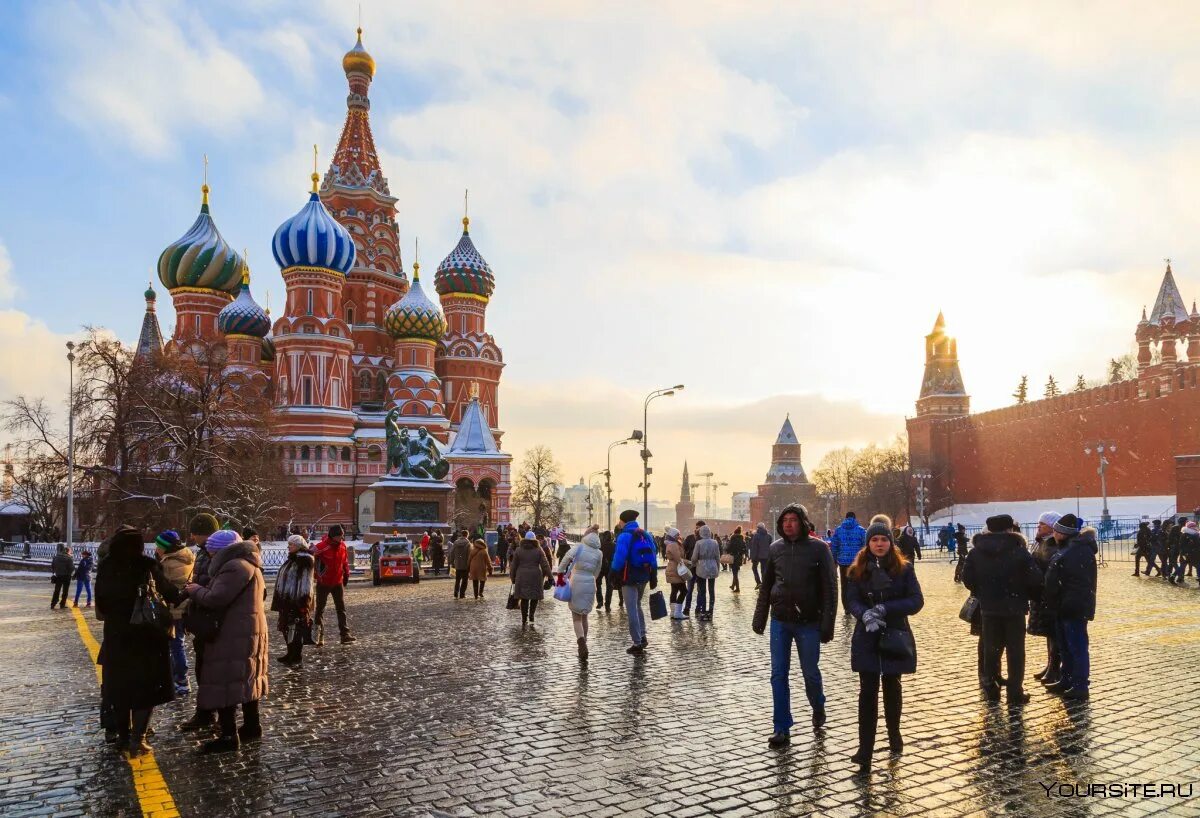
1022,393
1114,371
1080,384
1052,390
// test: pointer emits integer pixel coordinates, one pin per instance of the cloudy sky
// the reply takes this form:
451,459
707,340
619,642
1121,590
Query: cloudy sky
767,203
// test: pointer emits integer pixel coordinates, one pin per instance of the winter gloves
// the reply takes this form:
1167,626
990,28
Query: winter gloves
872,618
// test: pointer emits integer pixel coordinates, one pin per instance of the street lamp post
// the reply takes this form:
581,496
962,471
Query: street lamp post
828,498
71,446
1101,448
590,505
657,393
922,497
1078,489
635,435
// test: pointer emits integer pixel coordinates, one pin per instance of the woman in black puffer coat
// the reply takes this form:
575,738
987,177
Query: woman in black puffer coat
883,592
136,658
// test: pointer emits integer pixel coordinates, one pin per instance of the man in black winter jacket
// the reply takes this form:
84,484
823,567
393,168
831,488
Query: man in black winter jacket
1001,573
1071,593
760,547
1172,558
799,589
62,566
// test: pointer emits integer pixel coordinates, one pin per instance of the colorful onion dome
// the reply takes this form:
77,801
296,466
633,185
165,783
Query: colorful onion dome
414,315
268,349
464,270
150,294
357,59
313,238
243,316
201,258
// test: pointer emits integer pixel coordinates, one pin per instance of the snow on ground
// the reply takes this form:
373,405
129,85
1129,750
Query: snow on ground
1027,511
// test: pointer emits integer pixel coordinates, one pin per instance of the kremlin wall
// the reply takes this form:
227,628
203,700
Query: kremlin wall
1036,450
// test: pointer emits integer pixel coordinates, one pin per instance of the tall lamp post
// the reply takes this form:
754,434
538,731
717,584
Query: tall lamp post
657,393
922,498
590,504
71,447
1101,449
828,498
635,435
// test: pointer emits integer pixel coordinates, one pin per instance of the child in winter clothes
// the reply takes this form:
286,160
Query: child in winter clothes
83,578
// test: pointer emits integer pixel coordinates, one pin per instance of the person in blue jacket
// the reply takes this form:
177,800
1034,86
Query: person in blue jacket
848,539
634,565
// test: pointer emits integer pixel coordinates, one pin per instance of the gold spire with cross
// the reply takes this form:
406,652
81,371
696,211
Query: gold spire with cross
204,184
466,209
417,260
315,176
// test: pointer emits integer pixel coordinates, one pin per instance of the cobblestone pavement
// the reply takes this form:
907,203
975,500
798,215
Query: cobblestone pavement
445,707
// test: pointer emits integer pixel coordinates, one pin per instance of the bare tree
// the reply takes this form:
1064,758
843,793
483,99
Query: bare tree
834,476
41,486
537,488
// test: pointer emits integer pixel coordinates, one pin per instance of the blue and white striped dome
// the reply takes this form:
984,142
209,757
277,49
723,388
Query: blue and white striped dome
242,315
313,238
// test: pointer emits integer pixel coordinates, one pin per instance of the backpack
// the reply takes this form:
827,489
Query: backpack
641,551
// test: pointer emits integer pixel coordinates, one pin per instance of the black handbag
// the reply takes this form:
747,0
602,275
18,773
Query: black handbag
205,623
149,609
969,609
897,644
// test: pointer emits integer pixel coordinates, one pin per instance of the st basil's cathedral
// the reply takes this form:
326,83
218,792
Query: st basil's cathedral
357,344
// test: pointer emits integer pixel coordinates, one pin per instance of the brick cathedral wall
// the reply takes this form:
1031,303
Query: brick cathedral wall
1035,450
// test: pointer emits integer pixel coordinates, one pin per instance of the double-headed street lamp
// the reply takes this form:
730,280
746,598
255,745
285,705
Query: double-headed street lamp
1101,448
635,435
657,393
922,495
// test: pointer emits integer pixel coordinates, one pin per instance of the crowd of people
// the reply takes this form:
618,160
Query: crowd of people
211,586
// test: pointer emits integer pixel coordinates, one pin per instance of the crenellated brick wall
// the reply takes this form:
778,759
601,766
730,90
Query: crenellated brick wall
1036,450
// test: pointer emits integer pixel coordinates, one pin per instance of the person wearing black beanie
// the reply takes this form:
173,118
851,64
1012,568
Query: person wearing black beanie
882,592
1000,572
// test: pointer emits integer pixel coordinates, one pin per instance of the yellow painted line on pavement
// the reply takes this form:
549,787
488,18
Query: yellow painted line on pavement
153,795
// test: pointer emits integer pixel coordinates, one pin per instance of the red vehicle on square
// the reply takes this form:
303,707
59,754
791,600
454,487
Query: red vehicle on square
396,562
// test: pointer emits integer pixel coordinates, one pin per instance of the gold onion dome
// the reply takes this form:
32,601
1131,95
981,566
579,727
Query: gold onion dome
357,60
415,315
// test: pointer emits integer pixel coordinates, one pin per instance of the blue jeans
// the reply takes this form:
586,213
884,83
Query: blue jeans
80,584
703,584
179,663
1073,645
807,637
634,593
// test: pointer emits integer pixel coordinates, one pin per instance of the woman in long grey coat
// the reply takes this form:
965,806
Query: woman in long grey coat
236,661
583,564
706,565
528,569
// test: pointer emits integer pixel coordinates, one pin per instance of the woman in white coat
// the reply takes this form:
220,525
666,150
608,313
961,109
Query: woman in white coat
582,564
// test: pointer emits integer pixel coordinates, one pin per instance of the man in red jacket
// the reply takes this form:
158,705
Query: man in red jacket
333,572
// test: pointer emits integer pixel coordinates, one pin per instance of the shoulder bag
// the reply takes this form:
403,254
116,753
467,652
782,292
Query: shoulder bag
969,609
149,609
897,644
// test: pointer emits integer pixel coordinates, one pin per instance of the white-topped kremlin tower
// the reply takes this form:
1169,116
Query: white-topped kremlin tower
354,339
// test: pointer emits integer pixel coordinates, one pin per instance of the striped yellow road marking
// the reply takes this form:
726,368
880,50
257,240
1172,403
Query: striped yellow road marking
153,795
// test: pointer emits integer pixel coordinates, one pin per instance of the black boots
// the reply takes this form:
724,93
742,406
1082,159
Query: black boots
137,737
202,720
292,657
779,740
583,651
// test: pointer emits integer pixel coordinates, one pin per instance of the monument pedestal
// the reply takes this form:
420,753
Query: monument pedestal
406,506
